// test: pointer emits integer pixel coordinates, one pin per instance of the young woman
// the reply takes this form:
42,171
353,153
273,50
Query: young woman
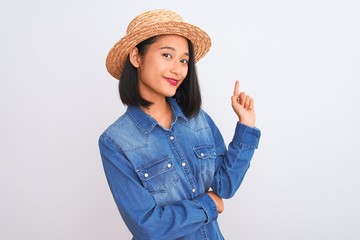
165,160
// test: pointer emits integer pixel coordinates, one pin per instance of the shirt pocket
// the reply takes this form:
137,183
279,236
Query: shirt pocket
206,155
158,176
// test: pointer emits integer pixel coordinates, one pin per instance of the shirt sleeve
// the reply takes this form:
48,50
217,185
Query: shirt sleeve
233,163
144,218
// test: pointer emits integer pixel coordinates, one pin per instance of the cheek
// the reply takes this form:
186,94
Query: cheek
184,72
149,68
154,66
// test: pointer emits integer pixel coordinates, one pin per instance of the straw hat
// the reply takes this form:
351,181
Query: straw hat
153,23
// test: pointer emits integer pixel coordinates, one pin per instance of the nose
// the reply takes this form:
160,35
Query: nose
175,68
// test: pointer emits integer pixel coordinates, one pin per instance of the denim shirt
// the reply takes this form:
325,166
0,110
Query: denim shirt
159,177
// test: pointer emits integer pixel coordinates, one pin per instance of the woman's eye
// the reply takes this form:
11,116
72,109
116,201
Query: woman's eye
166,55
185,61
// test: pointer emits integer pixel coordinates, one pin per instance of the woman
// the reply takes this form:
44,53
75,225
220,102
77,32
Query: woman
165,160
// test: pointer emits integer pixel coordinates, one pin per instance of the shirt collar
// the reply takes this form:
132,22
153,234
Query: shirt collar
146,123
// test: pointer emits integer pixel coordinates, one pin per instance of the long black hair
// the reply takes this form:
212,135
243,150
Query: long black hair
188,94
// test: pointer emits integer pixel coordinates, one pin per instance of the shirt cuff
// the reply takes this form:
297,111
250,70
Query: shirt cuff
209,206
246,135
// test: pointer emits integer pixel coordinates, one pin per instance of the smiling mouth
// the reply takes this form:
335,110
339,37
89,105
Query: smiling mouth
172,81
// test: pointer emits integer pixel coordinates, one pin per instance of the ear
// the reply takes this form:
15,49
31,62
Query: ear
134,57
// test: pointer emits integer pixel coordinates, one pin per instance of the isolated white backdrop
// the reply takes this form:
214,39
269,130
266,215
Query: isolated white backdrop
300,60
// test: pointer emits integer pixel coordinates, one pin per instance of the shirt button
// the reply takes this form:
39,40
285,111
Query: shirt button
183,164
146,175
169,165
202,154
172,138
193,190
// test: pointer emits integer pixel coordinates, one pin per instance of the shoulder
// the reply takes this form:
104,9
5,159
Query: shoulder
117,125
204,115
120,130
200,121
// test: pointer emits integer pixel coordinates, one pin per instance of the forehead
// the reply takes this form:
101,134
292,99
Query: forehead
177,42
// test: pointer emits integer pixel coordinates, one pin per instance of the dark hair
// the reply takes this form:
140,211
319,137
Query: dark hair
187,95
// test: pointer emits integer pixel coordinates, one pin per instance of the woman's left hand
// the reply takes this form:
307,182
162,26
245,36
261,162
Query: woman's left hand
243,106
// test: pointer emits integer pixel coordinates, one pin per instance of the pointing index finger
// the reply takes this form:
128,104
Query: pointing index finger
236,88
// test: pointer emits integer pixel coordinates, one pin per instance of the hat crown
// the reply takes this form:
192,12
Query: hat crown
152,17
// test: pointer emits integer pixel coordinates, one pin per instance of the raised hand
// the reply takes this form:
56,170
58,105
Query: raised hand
243,106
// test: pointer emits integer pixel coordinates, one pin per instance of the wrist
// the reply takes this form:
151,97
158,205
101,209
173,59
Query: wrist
249,124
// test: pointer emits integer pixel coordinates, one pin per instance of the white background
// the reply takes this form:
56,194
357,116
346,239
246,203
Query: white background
300,60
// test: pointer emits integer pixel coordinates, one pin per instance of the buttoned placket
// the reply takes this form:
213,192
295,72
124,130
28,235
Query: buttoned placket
181,158
188,173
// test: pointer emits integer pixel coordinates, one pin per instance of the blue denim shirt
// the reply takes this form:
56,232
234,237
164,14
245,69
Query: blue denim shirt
159,177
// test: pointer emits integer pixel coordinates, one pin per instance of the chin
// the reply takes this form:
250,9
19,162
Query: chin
170,94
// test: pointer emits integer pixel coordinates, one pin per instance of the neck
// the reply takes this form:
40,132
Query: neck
161,111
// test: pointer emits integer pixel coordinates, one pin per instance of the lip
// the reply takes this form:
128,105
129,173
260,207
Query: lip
172,81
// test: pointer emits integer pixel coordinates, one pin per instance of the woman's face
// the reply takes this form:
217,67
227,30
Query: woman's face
163,67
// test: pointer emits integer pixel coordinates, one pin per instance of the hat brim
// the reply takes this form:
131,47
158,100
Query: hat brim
117,55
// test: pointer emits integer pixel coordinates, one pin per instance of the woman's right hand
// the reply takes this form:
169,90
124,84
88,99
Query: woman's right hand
218,201
243,106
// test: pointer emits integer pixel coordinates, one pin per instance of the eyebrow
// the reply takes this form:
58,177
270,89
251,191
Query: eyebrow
171,48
